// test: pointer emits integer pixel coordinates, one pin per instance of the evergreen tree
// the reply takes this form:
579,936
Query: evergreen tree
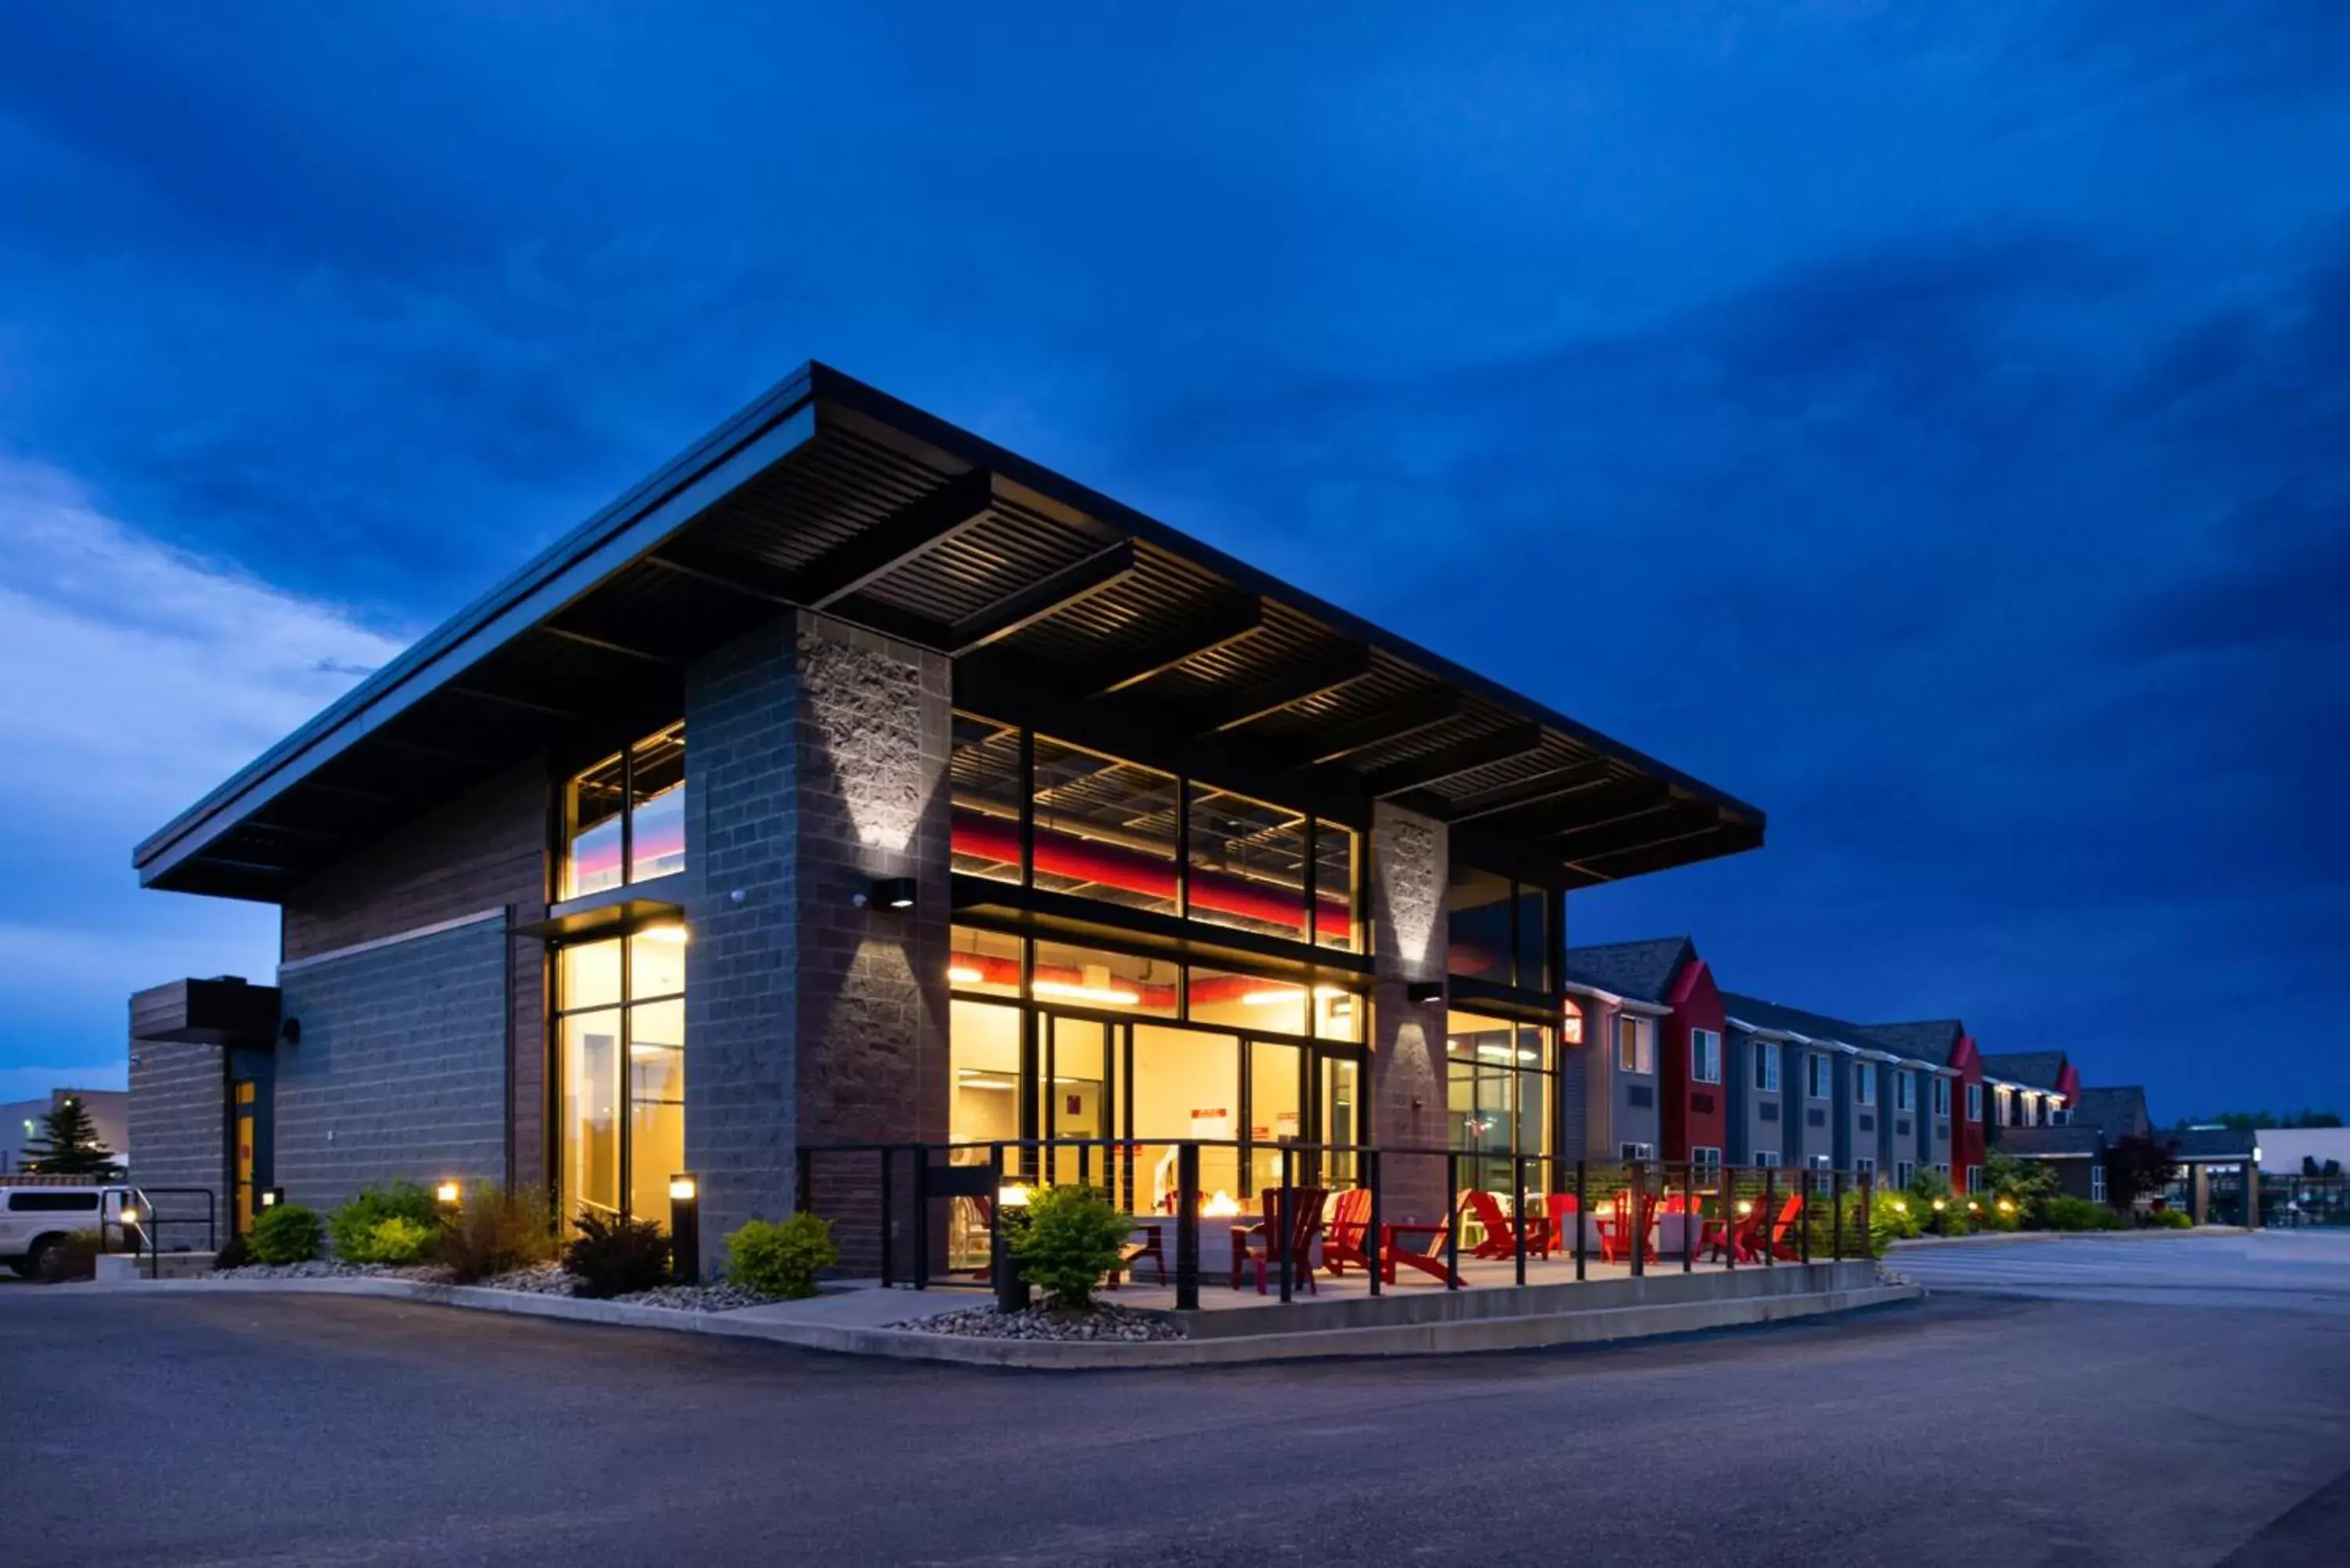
70,1146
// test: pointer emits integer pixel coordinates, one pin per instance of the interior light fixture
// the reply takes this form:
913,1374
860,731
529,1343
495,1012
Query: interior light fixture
1103,993
675,935
963,974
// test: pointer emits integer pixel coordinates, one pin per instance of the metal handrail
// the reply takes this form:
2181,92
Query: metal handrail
152,1227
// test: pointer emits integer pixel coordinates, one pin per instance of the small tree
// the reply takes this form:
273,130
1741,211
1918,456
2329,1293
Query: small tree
2024,1182
69,1144
1072,1239
2135,1166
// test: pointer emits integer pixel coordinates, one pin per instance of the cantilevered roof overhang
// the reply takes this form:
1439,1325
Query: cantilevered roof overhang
1059,606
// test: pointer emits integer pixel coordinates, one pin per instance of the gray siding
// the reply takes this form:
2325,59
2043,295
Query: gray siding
400,1070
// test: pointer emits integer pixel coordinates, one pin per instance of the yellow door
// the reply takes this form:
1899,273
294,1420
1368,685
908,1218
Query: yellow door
245,1104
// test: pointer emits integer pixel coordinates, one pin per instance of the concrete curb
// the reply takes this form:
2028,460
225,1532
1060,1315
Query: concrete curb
1449,1338
1991,1238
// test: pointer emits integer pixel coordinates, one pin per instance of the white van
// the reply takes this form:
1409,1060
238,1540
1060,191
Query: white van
36,1212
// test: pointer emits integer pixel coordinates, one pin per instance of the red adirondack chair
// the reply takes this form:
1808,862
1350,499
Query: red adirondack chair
1500,1230
1263,1242
1739,1239
1621,1229
1348,1227
1148,1245
1557,1210
1790,1213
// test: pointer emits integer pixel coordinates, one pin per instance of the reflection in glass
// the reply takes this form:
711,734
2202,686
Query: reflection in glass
591,1128
984,770
657,806
1105,828
1248,865
1533,938
1335,849
591,809
1477,919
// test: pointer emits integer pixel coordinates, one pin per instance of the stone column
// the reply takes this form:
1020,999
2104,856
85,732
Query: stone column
1408,872
816,762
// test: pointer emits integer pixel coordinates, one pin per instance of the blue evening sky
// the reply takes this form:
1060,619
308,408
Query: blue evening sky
1927,422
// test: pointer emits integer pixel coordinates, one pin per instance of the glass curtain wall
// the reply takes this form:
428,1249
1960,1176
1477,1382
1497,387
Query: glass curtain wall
1499,930
624,817
1500,1094
619,1033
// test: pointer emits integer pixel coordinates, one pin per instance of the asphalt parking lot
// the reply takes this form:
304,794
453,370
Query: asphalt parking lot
1987,1425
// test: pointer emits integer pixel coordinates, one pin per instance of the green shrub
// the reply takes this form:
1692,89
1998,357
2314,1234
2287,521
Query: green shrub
1072,1239
613,1257
2067,1213
2170,1219
498,1231
399,1242
1896,1216
70,1257
288,1233
353,1226
781,1260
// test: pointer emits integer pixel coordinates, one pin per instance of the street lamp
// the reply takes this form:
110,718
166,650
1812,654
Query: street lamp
685,1229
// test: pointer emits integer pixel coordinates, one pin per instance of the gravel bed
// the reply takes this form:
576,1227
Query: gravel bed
1105,1322
721,1297
328,1269
546,1280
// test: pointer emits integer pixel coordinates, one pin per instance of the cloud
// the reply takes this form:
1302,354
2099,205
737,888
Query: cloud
133,678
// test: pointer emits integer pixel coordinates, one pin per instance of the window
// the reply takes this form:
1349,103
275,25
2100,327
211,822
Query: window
1097,826
1862,1166
1636,1151
1974,1102
1705,1057
1767,1066
624,818
2057,1115
1905,1091
1634,1051
2098,1180
1943,1171
2003,1107
1498,1091
1705,1161
23,1201
1766,1158
1498,930
1904,1172
1941,1096
1974,1179
1864,1083
1822,1162
621,1042
1815,1075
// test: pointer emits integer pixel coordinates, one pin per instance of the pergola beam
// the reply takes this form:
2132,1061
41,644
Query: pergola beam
1218,626
905,536
1331,671
1452,762
1072,585
1539,790
1407,717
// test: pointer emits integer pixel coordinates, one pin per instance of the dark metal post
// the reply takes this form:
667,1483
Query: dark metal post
1581,1209
803,1177
1689,1226
1518,1215
1804,1215
922,1217
1634,1229
1836,1185
1770,1214
1010,1290
1187,1228
1451,1220
1866,1182
685,1229
1729,1221
1368,1161
1281,1212
888,1223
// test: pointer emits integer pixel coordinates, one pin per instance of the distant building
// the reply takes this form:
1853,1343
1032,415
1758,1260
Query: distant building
21,1123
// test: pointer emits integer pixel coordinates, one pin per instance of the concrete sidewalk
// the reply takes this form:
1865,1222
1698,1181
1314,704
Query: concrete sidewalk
850,1321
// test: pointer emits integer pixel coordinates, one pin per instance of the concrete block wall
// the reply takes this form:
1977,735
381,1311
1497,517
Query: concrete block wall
400,1070
819,763
1410,868
179,1118
487,848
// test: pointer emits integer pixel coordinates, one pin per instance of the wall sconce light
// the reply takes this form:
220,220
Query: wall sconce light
888,893
271,1196
685,1229
1423,990
448,1193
